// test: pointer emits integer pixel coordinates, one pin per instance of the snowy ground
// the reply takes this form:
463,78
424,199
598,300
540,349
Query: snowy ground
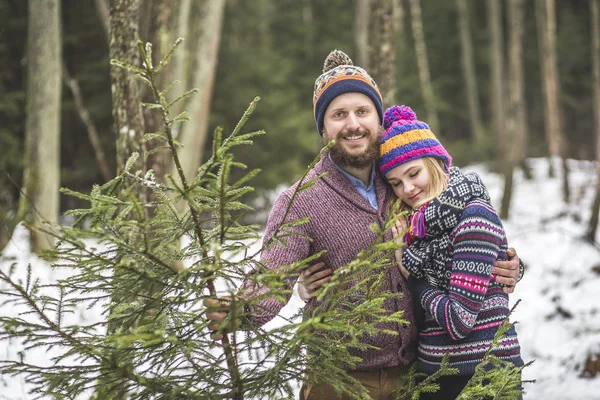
559,323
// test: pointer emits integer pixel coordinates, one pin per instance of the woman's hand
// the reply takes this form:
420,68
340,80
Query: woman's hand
507,272
311,279
398,230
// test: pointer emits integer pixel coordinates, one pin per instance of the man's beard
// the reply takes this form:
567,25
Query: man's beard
362,160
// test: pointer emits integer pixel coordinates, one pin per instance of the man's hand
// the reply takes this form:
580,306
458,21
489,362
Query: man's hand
507,272
217,311
312,279
398,230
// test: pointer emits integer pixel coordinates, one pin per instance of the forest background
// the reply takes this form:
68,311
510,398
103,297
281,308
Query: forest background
274,49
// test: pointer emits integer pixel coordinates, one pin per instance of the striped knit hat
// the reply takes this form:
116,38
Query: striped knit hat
406,139
341,76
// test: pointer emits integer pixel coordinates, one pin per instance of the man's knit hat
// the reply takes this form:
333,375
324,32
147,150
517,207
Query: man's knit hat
341,76
406,139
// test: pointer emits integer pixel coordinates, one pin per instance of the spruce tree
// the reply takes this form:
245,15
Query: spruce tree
162,347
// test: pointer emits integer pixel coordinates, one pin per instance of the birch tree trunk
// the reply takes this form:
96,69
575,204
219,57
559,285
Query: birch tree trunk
468,65
193,135
41,179
423,65
382,48
546,24
494,17
595,11
181,58
515,118
361,32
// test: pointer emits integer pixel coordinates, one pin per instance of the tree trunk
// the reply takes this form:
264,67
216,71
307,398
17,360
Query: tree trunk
595,11
208,33
158,32
309,30
546,24
423,65
494,17
103,14
129,131
382,49
361,32
41,179
265,14
127,110
181,58
398,21
515,118
469,74
84,115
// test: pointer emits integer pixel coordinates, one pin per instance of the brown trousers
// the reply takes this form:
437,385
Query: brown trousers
379,383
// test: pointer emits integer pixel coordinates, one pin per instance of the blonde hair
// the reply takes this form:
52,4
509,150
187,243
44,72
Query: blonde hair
438,178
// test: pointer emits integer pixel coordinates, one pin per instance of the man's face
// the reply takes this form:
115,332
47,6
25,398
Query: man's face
352,120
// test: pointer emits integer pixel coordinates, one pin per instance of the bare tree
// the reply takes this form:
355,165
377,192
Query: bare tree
423,65
41,181
494,18
361,31
595,11
382,48
468,65
515,116
84,115
207,30
181,58
546,23
102,9
309,32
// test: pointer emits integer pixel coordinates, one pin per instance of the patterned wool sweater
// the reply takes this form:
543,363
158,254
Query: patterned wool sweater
462,238
339,221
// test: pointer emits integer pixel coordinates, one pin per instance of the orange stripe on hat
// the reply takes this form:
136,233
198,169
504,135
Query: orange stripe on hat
404,139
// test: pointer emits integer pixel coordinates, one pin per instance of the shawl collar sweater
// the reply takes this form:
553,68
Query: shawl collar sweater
339,220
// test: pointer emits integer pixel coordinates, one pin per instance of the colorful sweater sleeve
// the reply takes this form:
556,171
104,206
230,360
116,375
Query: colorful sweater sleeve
295,248
476,242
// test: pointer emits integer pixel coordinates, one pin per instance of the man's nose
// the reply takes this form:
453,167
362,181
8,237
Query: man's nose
352,122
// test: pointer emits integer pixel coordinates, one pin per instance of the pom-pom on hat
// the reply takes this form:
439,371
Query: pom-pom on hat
406,139
341,76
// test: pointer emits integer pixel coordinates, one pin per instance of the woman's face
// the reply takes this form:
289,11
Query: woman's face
410,182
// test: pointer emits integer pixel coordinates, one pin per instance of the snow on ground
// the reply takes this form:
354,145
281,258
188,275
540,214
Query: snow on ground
559,322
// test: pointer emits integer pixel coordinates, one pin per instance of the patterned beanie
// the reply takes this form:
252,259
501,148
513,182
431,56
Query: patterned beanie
406,139
341,76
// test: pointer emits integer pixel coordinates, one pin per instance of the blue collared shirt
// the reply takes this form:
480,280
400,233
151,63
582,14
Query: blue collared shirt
368,192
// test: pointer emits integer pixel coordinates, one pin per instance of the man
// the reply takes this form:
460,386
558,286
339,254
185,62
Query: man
341,207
